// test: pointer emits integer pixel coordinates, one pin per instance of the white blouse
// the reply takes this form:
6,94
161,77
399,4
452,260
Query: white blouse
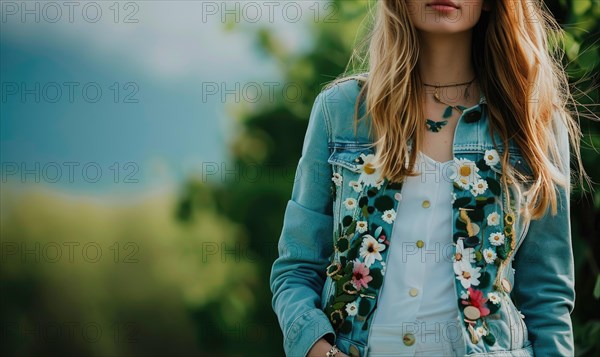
417,313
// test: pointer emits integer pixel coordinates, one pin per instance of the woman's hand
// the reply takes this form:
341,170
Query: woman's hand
320,349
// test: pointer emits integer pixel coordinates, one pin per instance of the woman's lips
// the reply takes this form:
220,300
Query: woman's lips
442,8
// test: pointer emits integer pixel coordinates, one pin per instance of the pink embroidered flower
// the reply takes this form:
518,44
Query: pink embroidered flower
477,300
360,275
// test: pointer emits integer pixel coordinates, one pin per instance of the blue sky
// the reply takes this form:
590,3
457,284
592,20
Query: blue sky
160,129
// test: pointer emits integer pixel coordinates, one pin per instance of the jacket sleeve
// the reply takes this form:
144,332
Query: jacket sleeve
305,244
544,274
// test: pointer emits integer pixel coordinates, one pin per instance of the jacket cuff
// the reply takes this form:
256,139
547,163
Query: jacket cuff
305,331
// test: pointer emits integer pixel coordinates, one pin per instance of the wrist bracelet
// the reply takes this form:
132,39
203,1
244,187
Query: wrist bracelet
332,351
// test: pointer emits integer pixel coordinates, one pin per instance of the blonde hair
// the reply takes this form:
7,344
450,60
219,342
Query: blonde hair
517,61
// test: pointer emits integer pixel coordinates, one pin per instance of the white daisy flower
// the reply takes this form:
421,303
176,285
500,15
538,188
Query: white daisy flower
493,219
389,215
469,276
352,308
369,176
481,331
463,257
494,298
379,183
382,268
337,179
465,173
357,186
479,187
370,249
350,203
496,238
491,157
489,256
361,226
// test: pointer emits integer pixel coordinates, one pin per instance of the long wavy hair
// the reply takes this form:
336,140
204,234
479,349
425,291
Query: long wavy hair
517,60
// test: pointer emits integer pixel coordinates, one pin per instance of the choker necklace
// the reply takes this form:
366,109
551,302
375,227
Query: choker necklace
436,126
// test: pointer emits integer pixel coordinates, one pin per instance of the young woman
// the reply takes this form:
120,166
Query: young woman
444,176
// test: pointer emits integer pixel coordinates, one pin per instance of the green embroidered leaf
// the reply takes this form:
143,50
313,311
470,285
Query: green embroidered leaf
372,191
501,251
353,252
363,201
339,305
484,280
343,260
365,212
346,326
447,112
346,220
342,244
352,228
471,242
346,298
384,203
377,278
489,339
461,202
493,185
477,214
478,256
482,165
364,306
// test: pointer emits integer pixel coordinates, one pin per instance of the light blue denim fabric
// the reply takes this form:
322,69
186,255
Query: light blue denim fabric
319,238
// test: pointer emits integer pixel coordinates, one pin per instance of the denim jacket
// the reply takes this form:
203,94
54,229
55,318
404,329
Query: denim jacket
514,277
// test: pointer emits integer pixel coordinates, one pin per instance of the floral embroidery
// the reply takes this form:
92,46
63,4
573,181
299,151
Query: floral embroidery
369,176
489,256
493,298
352,308
468,276
350,203
466,173
361,226
370,249
360,275
357,186
496,238
491,157
337,179
389,216
477,300
463,257
493,219
479,187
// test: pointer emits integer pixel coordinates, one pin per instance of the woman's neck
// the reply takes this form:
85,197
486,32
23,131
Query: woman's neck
445,58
